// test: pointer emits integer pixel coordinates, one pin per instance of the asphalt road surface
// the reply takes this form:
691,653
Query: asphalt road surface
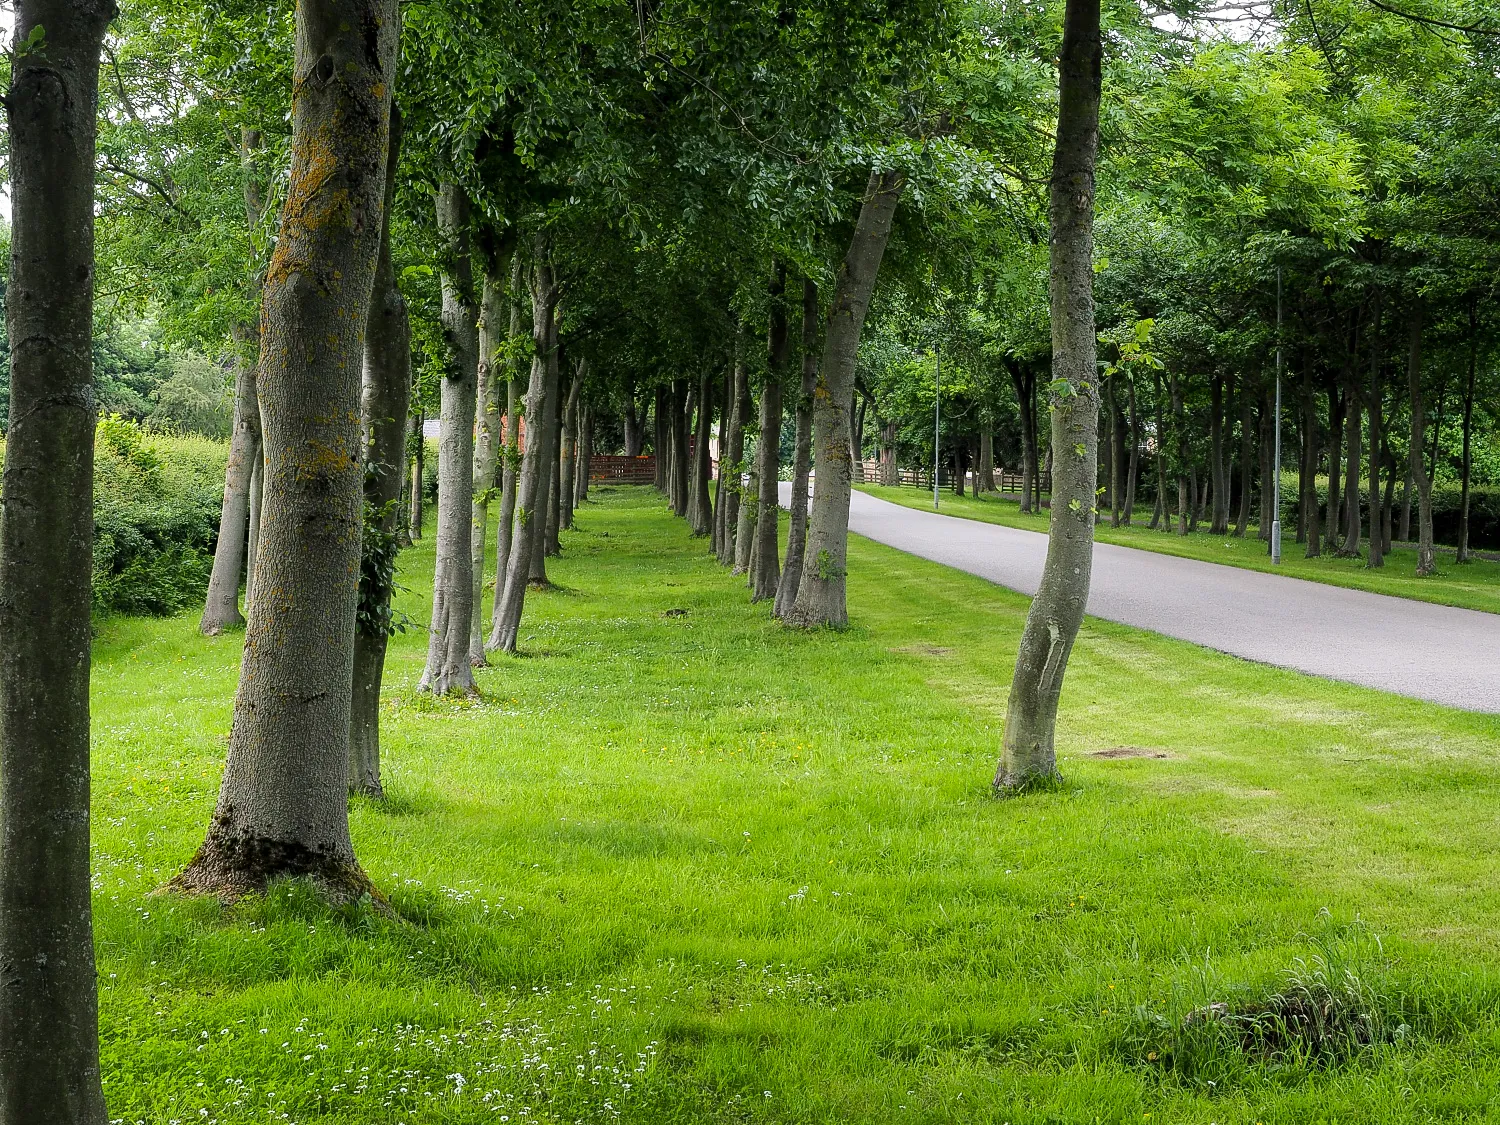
1432,652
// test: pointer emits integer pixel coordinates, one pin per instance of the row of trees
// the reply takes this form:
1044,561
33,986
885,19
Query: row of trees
552,213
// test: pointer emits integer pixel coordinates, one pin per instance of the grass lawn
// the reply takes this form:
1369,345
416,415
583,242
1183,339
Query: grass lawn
689,867
1474,585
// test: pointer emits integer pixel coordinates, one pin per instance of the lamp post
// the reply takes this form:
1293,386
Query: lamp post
1276,479
937,418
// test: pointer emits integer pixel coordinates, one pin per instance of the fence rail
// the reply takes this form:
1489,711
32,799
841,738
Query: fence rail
1005,480
623,470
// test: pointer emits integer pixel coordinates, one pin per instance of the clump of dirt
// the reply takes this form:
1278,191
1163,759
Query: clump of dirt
924,650
1128,752
675,613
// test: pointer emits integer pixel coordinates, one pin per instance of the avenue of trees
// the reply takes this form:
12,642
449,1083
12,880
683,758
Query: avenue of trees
564,231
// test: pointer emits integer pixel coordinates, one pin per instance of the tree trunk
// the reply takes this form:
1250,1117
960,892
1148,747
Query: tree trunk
585,452
1426,562
529,483
1133,470
1353,452
384,397
1247,457
721,485
1115,442
488,439
744,536
549,545
986,457
1267,466
765,570
221,610
1057,610
796,536
1467,467
1219,477
1184,497
1023,381
448,668
821,592
734,462
1388,462
1163,512
418,483
511,451
1331,513
568,454
632,424
252,538
49,1016
661,439
703,510
283,804
1308,504
1377,445
681,493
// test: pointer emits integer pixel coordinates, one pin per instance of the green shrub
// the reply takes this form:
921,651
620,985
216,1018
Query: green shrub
1484,511
156,518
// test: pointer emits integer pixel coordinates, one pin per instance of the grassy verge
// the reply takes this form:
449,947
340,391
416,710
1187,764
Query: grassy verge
682,866
1474,585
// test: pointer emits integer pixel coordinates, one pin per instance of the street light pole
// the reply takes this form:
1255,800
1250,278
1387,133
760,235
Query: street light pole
1276,481
937,418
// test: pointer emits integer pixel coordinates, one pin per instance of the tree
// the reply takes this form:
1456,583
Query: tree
449,668
282,808
1057,610
49,1022
820,595
384,400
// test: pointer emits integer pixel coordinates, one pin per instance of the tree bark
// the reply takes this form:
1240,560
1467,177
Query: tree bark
526,525
821,592
703,509
221,608
252,538
1377,445
1332,511
1133,469
49,1023
488,439
1219,477
1163,514
1467,466
448,667
633,440
721,485
765,569
734,462
1115,442
1353,451
1426,560
510,452
1247,456
585,452
384,399
677,436
796,537
1309,472
1057,610
282,808
418,482
1184,499
568,454
547,545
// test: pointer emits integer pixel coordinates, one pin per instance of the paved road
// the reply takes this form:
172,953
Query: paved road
1432,652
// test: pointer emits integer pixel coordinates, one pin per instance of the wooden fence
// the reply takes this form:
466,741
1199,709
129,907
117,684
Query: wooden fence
623,470
1005,480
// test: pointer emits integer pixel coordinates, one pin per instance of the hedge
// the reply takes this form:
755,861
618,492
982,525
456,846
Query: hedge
1484,511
